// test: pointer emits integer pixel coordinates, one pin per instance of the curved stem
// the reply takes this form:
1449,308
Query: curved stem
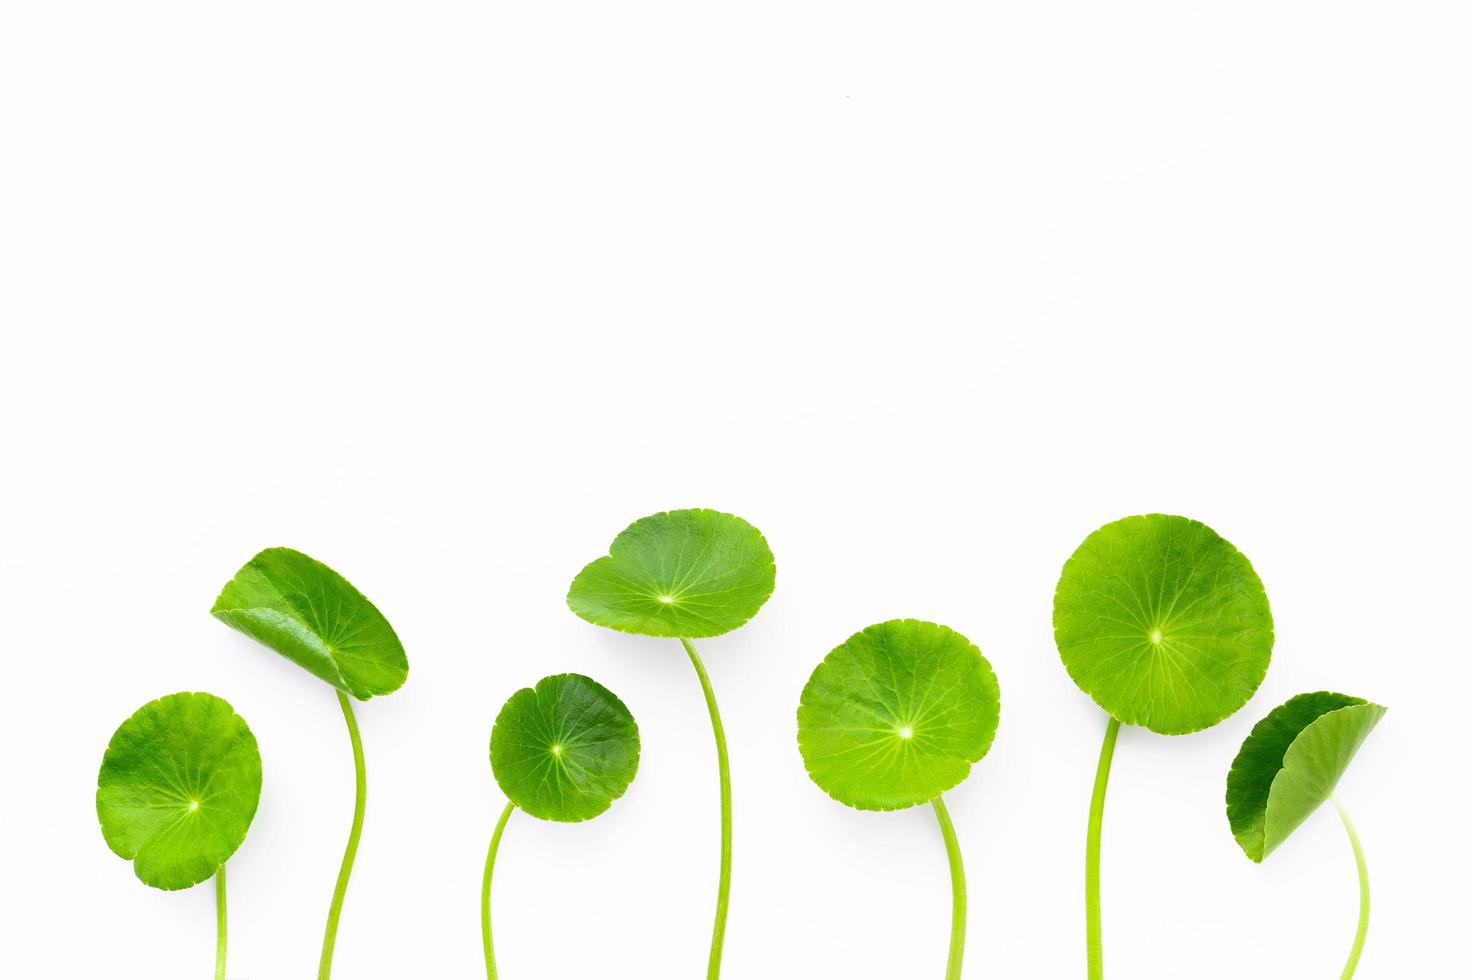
485,891
221,930
1352,962
334,914
1094,852
722,903
957,888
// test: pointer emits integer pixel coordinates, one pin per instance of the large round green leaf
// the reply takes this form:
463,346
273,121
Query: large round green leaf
178,788
565,749
1289,765
308,613
897,714
688,573
1163,623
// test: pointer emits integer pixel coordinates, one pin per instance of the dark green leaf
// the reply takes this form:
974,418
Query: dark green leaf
1289,765
565,749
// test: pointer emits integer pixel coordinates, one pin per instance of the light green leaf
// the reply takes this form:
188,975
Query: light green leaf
565,749
178,788
897,714
1290,764
1163,623
309,614
687,573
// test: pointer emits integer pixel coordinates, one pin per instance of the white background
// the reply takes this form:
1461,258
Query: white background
446,294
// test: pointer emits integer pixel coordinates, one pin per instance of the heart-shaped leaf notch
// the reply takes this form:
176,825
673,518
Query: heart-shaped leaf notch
1289,766
309,614
178,788
894,717
684,574
563,750
1165,625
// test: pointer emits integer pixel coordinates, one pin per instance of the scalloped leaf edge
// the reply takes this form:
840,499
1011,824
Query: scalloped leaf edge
132,858
1134,721
989,743
637,745
691,635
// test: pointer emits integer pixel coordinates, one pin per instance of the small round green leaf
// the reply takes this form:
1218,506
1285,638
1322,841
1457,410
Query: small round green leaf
897,714
309,614
565,749
1290,764
178,788
1163,623
687,573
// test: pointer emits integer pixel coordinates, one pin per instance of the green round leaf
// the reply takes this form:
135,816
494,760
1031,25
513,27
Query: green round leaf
309,614
1163,623
1289,765
178,788
687,573
565,749
897,714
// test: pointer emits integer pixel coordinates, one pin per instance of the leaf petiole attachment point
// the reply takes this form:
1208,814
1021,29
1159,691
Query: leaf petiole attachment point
563,750
683,574
894,717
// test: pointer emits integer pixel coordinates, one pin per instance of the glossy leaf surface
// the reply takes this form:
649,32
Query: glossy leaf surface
178,787
313,616
897,714
1290,763
688,573
1163,623
565,749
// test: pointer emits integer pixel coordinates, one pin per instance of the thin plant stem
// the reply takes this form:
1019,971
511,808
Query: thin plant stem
221,928
957,888
722,902
485,891
334,914
1357,952
1094,852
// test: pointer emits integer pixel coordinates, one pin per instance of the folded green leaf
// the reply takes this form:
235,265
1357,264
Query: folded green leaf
897,714
178,787
681,573
565,749
313,616
1289,765
1163,623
